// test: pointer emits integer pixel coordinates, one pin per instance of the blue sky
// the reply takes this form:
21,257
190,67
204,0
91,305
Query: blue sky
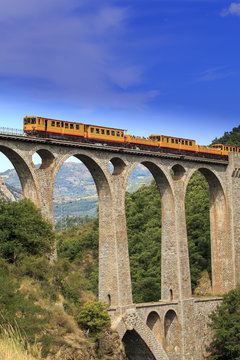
148,66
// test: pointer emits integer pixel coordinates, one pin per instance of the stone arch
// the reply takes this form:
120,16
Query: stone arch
154,323
25,175
177,171
221,249
47,158
118,165
135,347
172,333
169,257
108,276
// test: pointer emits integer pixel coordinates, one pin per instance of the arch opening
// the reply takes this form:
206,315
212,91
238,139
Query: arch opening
90,182
135,347
198,231
149,214
154,323
220,253
177,172
42,159
143,216
116,166
75,195
172,333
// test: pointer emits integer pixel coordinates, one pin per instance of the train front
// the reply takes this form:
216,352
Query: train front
29,125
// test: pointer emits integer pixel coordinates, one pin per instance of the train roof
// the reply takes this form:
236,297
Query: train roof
172,137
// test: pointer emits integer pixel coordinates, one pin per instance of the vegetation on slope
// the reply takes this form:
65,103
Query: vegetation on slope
49,301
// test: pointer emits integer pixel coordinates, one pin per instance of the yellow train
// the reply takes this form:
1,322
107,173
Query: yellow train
66,130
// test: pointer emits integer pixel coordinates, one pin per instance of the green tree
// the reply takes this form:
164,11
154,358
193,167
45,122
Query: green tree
225,322
93,316
23,231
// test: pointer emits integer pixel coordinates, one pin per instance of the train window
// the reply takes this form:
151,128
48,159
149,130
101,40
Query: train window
121,134
53,123
238,149
33,120
176,141
28,121
102,131
92,130
118,133
190,143
172,141
58,123
25,121
113,133
108,132
233,149
66,125
167,139
186,142
97,131
38,121
227,148
77,127
71,126
182,142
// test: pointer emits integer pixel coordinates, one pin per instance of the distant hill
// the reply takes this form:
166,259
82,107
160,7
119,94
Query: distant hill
229,138
9,192
75,191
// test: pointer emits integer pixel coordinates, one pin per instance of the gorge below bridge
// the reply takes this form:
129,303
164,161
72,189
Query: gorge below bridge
176,326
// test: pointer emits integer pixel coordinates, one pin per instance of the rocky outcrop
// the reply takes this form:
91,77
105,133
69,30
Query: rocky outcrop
9,192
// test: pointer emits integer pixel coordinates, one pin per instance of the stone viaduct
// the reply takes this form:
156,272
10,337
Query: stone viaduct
176,326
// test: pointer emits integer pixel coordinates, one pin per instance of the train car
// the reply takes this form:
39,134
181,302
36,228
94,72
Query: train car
104,135
57,129
225,149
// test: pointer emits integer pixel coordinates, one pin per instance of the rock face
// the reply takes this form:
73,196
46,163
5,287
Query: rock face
9,192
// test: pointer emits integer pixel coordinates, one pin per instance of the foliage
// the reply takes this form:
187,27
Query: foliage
93,316
23,231
198,227
225,322
229,138
143,213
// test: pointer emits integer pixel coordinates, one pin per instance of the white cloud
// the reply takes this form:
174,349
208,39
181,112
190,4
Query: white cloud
69,46
234,9
220,72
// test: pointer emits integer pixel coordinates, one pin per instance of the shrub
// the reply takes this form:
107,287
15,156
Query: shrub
93,316
225,322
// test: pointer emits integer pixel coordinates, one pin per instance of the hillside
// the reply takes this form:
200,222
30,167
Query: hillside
229,138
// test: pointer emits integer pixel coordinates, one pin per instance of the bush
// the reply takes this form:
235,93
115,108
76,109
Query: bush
93,316
225,322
